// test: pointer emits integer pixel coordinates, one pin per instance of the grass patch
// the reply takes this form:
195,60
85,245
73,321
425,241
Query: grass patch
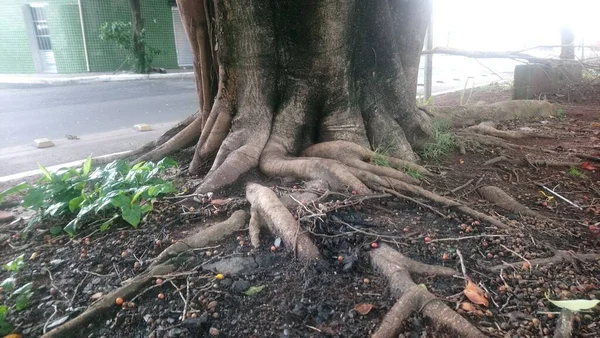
413,173
443,141
381,158
574,172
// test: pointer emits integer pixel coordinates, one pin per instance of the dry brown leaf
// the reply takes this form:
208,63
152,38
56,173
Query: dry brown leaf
363,308
13,335
469,307
475,294
219,202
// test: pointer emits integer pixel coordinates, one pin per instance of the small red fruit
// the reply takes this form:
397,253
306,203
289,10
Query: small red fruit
158,281
124,253
53,291
545,204
463,226
295,187
489,255
445,257
427,239
241,243
161,296
273,248
353,192
469,229
374,245
340,258
119,301
406,229
475,223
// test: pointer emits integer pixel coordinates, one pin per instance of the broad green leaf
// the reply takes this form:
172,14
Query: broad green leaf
45,172
166,163
106,225
138,165
3,311
23,289
146,208
56,230
120,201
24,295
87,166
8,284
163,188
13,190
75,203
139,192
575,305
132,214
56,209
253,290
71,227
34,198
15,265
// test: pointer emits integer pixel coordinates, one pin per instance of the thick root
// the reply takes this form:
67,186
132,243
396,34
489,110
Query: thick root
564,328
213,233
489,128
280,221
506,202
558,257
413,298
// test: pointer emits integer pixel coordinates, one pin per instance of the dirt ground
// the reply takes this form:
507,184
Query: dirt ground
319,299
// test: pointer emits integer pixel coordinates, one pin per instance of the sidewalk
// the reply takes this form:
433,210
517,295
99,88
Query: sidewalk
57,79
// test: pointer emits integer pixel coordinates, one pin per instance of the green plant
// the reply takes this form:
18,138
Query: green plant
443,140
574,172
560,113
109,192
22,296
120,33
17,188
380,157
423,102
413,173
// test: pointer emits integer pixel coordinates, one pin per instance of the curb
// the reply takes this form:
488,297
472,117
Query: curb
7,79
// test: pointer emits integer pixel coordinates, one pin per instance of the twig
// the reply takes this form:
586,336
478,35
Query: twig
54,286
117,271
365,232
97,274
559,196
49,319
399,195
75,291
461,186
518,255
465,237
187,298
182,298
462,264
313,328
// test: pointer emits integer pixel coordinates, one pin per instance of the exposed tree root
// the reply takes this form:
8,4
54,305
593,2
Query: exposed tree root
564,327
506,202
489,128
533,163
558,257
105,305
269,209
213,233
414,298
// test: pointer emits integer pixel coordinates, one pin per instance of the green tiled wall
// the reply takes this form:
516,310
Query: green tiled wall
66,35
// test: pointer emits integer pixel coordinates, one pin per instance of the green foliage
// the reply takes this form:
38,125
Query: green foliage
423,102
109,192
5,326
23,295
443,140
254,290
17,188
413,173
380,158
121,34
560,113
574,172
15,265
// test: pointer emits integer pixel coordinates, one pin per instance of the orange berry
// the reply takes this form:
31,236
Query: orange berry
340,258
158,281
273,248
161,296
374,245
427,239
445,257
119,301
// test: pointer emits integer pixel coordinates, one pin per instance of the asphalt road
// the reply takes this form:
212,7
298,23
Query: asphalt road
102,114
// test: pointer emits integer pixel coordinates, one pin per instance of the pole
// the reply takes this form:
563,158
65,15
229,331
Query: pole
429,59
85,49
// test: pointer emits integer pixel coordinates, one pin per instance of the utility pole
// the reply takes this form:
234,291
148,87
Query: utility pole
429,59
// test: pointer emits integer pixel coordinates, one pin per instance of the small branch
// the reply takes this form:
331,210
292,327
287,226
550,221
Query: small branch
49,319
399,195
464,237
461,186
518,255
54,286
462,264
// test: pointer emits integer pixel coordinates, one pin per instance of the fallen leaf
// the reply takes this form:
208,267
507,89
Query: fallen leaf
363,308
575,305
475,294
595,125
469,307
588,166
253,290
219,202
13,335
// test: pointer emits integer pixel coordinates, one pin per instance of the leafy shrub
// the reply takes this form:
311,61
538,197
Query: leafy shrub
22,295
120,33
117,188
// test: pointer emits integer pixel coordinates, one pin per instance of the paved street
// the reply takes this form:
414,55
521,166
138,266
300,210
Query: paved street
101,114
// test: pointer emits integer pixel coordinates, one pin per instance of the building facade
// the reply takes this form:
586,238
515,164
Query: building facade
61,36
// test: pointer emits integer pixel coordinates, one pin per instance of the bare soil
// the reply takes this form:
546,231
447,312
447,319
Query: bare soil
318,299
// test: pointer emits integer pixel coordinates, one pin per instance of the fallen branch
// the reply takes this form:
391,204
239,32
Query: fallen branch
558,257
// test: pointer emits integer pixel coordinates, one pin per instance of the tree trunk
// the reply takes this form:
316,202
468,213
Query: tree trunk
275,77
137,26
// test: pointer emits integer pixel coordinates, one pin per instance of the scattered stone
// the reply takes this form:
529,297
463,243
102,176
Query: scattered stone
214,332
194,325
43,143
96,280
240,286
142,127
96,296
226,282
233,266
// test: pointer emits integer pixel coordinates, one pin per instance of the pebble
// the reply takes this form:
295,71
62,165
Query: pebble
240,286
213,331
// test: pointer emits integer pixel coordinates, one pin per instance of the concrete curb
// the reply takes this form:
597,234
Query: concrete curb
17,79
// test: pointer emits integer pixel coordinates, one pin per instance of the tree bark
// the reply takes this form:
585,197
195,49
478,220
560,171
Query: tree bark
137,27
